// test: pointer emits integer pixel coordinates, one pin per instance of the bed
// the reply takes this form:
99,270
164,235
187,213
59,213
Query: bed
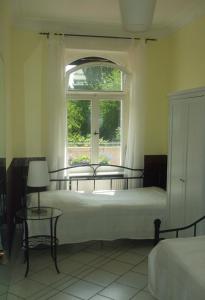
176,267
102,214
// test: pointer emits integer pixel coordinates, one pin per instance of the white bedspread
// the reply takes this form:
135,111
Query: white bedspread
177,269
103,215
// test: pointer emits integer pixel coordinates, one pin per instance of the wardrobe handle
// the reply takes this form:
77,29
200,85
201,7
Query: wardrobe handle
182,180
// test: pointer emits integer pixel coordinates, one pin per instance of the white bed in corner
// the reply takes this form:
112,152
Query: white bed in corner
103,215
176,269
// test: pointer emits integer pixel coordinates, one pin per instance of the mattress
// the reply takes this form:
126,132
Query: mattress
176,269
103,215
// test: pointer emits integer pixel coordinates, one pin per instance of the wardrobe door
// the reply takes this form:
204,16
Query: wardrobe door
177,161
195,178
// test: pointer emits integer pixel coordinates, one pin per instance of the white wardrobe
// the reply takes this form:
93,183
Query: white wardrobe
186,165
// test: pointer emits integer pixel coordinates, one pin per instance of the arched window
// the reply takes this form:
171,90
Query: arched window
95,93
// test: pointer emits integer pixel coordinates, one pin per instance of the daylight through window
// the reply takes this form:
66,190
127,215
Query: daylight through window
95,93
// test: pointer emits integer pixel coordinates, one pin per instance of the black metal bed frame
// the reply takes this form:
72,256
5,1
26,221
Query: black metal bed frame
96,174
157,224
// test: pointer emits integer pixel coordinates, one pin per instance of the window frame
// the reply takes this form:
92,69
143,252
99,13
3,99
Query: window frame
105,64
95,96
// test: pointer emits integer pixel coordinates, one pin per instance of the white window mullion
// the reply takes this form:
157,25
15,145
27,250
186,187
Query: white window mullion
95,130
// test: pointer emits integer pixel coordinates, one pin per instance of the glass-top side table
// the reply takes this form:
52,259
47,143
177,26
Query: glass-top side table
40,241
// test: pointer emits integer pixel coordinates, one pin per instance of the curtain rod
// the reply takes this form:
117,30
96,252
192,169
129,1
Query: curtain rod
98,36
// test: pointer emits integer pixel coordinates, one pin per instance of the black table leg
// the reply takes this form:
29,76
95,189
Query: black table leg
55,245
26,248
51,234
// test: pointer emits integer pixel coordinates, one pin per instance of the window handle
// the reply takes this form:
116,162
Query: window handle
95,133
182,180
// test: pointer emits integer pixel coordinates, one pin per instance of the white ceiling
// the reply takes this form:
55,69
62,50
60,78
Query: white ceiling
100,17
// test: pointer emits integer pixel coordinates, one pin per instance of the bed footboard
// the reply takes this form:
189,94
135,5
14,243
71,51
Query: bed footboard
157,224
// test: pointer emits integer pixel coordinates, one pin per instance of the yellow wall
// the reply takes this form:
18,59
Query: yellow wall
173,63
5,49
27,89
188,56
159,77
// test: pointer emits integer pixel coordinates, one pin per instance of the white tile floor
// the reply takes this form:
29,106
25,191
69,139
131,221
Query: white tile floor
96,271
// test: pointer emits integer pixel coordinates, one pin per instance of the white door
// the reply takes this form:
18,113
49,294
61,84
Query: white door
195,178
177,161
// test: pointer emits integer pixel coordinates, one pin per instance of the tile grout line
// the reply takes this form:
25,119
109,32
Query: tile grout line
115,280
112,257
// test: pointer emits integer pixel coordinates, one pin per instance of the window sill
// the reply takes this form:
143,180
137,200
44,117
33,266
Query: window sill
84,175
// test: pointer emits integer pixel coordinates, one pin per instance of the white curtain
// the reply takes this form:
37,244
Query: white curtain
134,157
56,104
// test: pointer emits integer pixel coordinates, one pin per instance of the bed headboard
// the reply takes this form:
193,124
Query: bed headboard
155,171
96,172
